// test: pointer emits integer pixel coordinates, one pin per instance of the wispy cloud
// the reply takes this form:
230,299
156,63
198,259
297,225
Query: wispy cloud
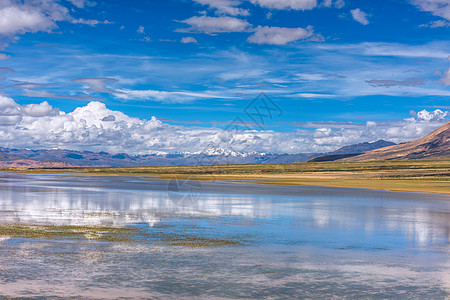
89,22
439,8
225,7
390,83
47,95
287,4
96,84
163,96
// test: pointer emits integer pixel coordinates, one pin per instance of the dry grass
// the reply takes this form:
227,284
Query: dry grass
430,176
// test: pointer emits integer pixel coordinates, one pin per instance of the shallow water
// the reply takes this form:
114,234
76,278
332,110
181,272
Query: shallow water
295,242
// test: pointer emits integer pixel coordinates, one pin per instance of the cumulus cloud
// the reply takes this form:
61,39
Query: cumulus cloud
360,16
225,7
189,39
17,17
279,35
287,4
39,110
428,116
4,56
440,8
213,25
9,111
23,16
94,127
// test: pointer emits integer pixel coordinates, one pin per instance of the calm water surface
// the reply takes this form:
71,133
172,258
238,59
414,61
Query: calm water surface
298,242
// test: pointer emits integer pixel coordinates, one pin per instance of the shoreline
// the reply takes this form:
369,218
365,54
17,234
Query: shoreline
419,176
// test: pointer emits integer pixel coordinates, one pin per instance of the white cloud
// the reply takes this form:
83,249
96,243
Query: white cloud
94,127
212,25
19,17
163,96
279,35
287,4
429,50
141,29
189,39
39,110
225,7
360,16
89,22
310,77
428,116
82,3
230,7
333,3
314,95
96,84
440,8
4,56
436,24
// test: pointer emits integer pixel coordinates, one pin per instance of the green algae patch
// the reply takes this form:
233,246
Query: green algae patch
98,233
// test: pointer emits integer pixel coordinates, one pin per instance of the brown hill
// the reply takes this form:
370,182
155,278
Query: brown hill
13,161
434,145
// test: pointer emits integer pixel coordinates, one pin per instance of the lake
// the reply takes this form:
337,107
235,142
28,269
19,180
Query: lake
222,240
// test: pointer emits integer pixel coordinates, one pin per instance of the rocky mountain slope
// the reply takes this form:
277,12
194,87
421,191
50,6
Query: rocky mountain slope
434,145
352,150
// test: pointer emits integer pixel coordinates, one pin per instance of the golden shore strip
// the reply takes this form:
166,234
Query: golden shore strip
424,176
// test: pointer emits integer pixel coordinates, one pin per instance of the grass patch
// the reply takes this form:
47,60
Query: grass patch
114,234
98,233
429,176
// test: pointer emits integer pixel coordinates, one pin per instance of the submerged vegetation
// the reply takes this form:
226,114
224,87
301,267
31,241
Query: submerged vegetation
397,175
99,233
115,234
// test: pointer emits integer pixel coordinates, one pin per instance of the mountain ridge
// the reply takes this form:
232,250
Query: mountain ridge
434,145
61,158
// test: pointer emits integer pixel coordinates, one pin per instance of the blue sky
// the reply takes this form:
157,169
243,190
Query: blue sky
341,71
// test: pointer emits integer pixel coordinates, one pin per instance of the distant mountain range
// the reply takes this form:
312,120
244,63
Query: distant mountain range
434,145
351,151
59,158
